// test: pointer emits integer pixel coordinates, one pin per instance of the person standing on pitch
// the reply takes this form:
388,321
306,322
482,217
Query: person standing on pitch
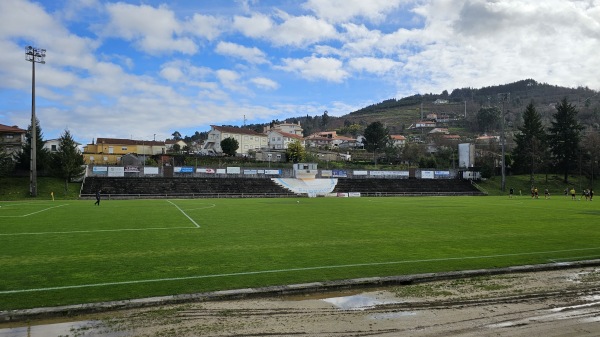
97,198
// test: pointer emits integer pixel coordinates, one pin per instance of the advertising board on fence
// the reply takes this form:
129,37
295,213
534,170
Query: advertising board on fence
360,173
132,169
273,172
234,170
326,173
339,173
354,194
205,170
100,169
221,171
427,175
442,174
250,171
150,170
116,171
389,173
183,169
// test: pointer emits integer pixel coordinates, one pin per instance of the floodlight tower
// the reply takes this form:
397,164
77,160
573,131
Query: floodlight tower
33,55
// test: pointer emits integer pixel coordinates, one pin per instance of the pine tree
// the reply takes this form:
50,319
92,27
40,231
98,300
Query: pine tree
530,151
565,135
23,158
377,138
67,161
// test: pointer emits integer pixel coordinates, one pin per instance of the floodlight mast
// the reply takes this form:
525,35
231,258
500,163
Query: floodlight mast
33,55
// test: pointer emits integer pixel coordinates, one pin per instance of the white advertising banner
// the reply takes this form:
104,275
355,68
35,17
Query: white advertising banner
221,171
326,173
427,175
116,171
273,172
360,173
354,194
98,169
390,173
150,170
234,170
205,170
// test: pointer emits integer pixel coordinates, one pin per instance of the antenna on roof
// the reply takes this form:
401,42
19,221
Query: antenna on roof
244,120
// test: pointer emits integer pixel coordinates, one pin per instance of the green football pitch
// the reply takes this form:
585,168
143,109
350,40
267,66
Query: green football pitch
69,252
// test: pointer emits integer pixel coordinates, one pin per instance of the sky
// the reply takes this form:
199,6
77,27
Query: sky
144,69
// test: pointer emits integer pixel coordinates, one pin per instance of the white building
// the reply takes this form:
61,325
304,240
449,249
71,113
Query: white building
279,140
248,140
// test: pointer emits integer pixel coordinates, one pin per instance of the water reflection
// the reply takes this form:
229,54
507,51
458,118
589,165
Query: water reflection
82,328
358,302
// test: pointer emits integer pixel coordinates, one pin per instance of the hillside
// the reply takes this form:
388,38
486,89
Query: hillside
464,103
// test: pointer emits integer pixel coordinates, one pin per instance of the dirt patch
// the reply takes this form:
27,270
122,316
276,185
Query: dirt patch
550,303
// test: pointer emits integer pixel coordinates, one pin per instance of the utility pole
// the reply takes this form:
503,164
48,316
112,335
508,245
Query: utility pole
504,97
33,55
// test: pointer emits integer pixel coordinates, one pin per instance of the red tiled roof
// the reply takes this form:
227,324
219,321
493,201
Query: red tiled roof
14,129
121,141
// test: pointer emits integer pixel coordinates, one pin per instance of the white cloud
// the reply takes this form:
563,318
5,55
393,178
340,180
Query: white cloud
264,83
345,10
316,68
206,26
292,31
256,26
251,55
154,30
373,65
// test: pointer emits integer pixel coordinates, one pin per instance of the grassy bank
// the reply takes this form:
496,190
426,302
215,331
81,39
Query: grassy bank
18,189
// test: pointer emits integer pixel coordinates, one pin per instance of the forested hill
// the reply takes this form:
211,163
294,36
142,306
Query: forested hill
464,103
520,91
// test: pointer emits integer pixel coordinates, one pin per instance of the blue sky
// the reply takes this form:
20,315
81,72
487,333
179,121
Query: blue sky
144,69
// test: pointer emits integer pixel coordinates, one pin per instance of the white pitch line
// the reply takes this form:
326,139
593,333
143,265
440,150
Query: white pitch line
40,211
184,213
98,231
5,292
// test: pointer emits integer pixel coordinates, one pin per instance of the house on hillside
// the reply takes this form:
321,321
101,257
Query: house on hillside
330,139
109,151
292,128
279,140
398,140
170,143
248,140
53,145
12,139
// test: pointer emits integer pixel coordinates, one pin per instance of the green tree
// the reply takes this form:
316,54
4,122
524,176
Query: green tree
325,119
67,161
176,135
229,146
23,158
412,152
488,118
564,137
530,150
295,152
7,165
377,138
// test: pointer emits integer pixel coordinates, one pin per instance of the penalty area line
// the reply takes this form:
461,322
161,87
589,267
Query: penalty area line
197,277
184,213
25,215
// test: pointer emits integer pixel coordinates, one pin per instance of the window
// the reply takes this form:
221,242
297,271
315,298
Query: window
9,136
53,148
124,148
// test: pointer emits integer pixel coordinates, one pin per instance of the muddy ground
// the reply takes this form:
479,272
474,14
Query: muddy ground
554,303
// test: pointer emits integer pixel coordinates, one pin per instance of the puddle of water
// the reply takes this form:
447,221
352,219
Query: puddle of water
357,302
82,328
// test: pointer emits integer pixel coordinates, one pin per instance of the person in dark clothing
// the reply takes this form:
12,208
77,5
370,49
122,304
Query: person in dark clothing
97,198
